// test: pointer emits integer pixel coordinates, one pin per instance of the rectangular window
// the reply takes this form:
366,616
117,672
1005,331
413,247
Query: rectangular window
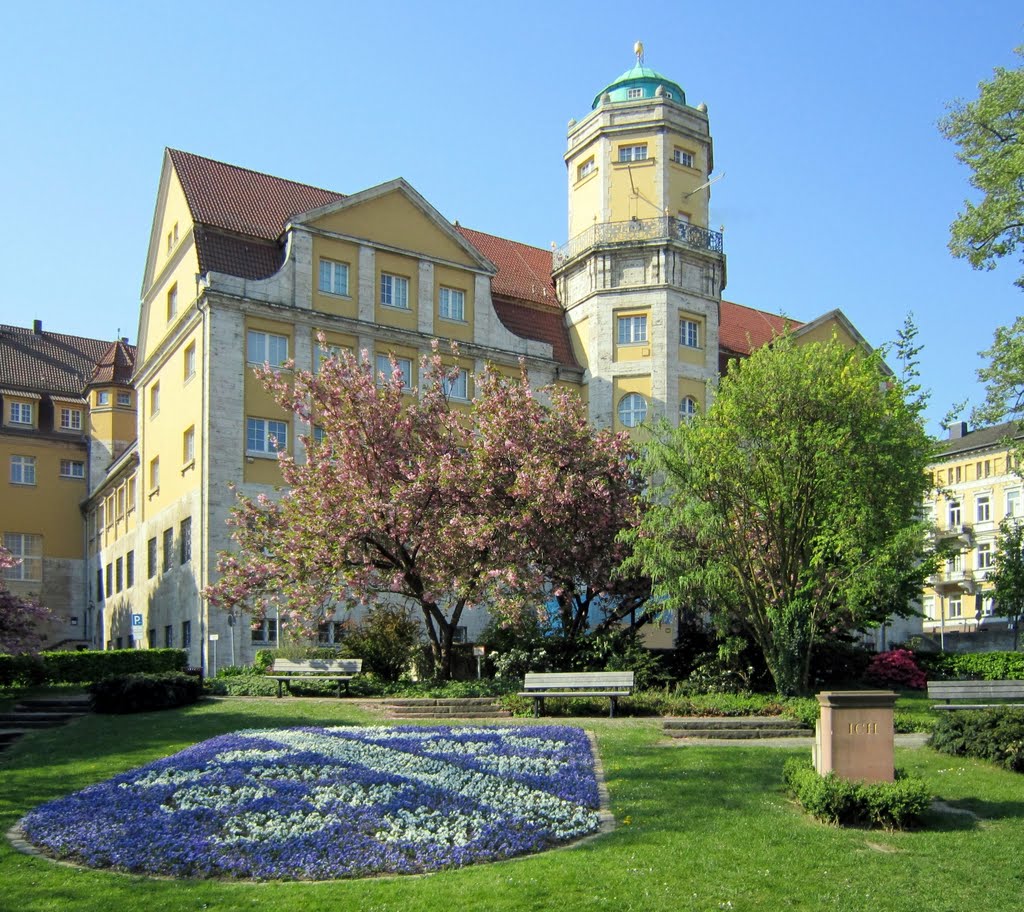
266,348
186,634
635,92
452,304
23,470
185,540
99,584
985,560
154,473
988,467
333,277
689,333
265,631
682,157
394,290
956,608
131,494
120,503
154,400
119,574
1013,503
190,362
20,413
586,168
954,514
324,353
168,636
151,558
983,508
633,153
632,330
955,563
27,548
129,569
70,419
188,446
957,477
264,437
124,399
168,549
110,580
103,397
457,388
172,301
385,369
72,468
318,434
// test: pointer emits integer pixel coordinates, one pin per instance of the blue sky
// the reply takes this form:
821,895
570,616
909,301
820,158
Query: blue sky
838,188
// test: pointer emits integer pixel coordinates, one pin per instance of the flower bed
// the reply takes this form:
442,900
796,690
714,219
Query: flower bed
323,803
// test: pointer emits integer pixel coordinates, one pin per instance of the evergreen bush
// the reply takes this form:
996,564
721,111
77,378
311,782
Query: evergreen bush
995,734
977,666
145,692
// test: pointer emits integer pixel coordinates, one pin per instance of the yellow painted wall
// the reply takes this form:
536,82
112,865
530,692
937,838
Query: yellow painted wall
825,331
175,211
50,506
393,220
460,280
633,351
695,389
408,268
683,181
579,335
342,252
586,191
634,191
621,386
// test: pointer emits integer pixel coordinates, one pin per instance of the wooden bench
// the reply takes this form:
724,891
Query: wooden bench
989,691
611,684
284,671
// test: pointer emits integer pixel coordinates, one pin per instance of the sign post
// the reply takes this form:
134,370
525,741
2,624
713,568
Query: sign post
479,652
213,639
137,630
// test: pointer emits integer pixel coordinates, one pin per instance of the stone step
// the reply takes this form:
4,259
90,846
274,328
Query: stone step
10,735
455,714
35,720
737,734
66,704
734,722
440,701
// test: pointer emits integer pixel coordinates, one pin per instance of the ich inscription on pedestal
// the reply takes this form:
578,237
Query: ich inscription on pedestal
854,735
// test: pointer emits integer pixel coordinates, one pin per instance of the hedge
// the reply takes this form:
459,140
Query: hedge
995,734
87,665
978,666
145,692
889,805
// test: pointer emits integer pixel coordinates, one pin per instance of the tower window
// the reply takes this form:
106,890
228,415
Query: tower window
687,408
632,410
632,330
586,168
633,153
682,157
634,93
689,333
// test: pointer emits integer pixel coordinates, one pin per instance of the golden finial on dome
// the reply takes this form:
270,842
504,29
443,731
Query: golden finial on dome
638,49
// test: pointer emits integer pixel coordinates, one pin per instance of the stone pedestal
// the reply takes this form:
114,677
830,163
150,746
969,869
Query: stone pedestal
854,735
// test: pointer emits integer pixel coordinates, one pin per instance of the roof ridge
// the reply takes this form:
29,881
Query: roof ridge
29,331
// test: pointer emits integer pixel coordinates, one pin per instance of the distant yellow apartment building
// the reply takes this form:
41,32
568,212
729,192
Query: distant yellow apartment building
976,488
244,268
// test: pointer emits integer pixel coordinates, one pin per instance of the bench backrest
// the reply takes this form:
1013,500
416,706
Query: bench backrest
996,690
570,680
318,666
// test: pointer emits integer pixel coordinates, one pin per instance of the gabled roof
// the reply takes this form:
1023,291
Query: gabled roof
742,329
981,438
116,364
55,363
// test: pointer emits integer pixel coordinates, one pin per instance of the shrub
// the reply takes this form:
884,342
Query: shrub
242,681
23,670
889,805
978,666
895,668
385,640
144,692
66,667
995,734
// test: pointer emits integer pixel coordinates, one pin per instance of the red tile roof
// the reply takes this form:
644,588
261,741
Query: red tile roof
742,329
47,362
116,365
538,323
238,256
524,272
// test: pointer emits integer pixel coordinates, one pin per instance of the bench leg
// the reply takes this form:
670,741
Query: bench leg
279,683
613,701
538,706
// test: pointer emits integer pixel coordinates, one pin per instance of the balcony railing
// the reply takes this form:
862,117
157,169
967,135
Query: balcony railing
648,229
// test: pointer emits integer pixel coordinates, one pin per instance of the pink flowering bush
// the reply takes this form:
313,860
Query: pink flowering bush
895,668
20,619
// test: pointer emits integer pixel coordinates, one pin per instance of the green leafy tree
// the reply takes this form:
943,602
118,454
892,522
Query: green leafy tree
1003,377
990,134
790,508
1008,576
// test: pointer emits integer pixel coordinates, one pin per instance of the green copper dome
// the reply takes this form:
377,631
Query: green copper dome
638,83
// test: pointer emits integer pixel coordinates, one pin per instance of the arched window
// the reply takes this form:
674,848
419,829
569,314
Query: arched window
687,408
632,409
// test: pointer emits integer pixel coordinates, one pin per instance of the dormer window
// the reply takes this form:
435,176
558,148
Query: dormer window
634,93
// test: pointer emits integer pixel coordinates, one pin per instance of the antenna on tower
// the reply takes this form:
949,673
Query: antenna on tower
638,49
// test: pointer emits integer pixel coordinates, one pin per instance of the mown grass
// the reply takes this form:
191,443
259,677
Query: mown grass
698,829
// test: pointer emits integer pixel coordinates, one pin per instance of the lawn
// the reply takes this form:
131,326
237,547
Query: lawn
699,829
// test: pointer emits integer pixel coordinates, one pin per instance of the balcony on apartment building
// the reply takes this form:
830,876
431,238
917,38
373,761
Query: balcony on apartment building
661,228
957,533
950,581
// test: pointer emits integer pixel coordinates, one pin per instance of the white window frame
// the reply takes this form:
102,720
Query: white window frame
263,347
983,508
394,291
20,413
188,446
588,167
258,432
689,333
124,399
172,302
154,400
72,468
1013,503
385,370
154,473
333,277
954,514
265,631
634,93
986,557
23,470
632,330
103,397
687,408
323,353
27,547
956,607
70,419
682,157
451,304
190,362
632,410
633,153
457,388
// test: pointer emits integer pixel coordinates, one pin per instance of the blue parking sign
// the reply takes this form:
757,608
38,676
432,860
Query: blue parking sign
136,620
